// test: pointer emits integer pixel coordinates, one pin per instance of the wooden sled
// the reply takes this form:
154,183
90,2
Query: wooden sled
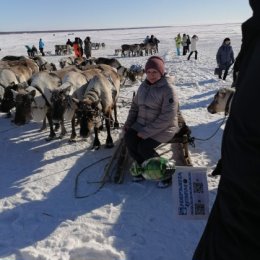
121,161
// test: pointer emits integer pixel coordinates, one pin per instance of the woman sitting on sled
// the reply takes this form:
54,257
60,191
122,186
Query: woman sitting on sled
152,118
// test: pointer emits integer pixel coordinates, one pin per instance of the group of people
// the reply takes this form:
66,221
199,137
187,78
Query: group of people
69,46
79,48
32,51
224,57
184,42
189,45
152,39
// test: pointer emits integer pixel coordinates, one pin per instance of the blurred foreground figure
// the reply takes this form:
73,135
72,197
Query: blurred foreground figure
233,228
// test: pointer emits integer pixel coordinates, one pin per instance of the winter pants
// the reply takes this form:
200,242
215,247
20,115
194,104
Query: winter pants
178,51
88,53
196,54
140,149
225,73
184,50
41,51
30,53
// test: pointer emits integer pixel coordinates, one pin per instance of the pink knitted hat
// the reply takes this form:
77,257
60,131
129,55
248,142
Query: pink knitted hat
157,63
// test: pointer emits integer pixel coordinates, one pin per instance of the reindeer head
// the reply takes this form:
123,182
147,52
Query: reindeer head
89,113
221,101
23,102
60,101
8,101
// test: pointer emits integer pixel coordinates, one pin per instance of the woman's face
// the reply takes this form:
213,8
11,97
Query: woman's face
153,75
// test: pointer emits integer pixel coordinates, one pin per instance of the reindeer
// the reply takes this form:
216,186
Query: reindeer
98,102
106,64
71,60
34,101
14,70
8,101
150,48
43,64
73,86
21,69
131,49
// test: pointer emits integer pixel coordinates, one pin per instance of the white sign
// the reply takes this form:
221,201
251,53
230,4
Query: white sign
190,192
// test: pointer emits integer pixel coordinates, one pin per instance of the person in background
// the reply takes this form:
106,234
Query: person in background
29,51
87,47
232,230
41,47
188,43
178,44
193,46
69,46
155,41
225,58
34,51
76,47
147,39
152,118
80,46
151,40
69,42
184,44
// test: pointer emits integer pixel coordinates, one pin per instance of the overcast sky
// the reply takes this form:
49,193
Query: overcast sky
26,15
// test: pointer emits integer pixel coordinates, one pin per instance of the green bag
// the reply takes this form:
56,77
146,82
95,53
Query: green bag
157,168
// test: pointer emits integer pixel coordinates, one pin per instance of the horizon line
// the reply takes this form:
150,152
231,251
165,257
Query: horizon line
107,29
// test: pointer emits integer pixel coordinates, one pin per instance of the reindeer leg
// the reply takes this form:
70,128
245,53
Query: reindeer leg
52,134
63,129
116,123
57,126
96,144
73,131
101,126
44,125
109,141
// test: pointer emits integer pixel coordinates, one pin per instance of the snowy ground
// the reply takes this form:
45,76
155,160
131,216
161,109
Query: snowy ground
40,219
